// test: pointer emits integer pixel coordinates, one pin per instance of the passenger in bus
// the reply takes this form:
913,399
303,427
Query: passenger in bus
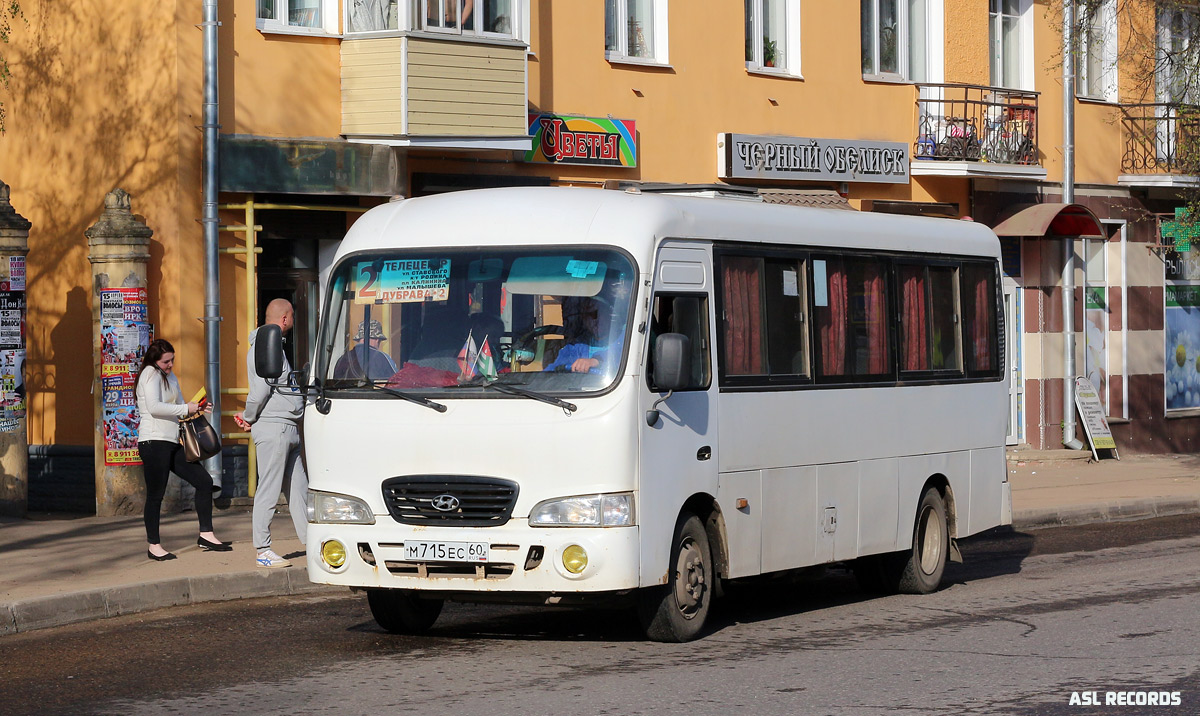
366,360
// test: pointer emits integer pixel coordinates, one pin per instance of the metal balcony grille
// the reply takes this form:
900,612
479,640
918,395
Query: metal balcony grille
976,123
477,501
1160,139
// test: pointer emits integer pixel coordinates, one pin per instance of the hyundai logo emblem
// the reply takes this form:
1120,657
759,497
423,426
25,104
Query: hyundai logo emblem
445,503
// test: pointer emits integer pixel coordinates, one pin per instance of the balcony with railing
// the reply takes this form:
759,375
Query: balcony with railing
1162,145
976,131
436,74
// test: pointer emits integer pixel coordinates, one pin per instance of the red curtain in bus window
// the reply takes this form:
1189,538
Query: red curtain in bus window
831,319
877,321
914,353
979,295
982,333
742,279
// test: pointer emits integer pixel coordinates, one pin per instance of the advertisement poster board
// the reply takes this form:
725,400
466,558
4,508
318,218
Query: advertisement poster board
1091,414
124,337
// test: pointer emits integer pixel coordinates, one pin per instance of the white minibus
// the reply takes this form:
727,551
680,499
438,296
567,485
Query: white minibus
566,395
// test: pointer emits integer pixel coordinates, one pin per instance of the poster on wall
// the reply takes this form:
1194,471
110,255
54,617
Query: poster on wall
1181,320
1095,318
12,384
16,275
12,319
124,337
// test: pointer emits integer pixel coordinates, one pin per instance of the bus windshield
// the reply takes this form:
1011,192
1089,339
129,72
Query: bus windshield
554,320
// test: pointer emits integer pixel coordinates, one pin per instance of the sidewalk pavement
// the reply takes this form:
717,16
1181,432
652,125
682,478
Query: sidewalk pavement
60,569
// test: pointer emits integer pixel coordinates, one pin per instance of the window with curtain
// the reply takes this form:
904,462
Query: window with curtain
763,309
1097,72
631,29
894,36
297,15
1004,38
851,314
980,352
742,314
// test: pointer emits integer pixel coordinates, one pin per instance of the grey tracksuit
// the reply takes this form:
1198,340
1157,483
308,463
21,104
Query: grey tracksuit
274,419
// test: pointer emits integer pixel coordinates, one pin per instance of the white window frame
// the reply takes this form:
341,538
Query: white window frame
329,20
621,54
519,29
1025,63
1106,14
934,41
789,63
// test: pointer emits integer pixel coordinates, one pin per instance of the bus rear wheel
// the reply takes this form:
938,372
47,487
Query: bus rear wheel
926,561
401,612
677,611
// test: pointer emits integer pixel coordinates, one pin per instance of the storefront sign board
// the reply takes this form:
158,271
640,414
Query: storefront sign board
753,156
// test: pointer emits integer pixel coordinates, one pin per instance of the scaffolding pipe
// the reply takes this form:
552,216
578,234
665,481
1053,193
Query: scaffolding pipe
1068,197
212,285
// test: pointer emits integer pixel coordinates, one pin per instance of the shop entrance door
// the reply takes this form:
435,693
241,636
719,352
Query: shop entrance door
1012,336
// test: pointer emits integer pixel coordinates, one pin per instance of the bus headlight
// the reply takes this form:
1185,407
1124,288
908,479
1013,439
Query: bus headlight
585,511
326,507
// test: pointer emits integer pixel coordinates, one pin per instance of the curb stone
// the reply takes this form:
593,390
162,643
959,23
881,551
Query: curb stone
74,607
1104,512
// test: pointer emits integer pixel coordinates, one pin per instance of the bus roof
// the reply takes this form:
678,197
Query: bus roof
635,221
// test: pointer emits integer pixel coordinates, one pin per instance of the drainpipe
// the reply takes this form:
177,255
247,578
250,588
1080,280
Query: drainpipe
1068,197
212,286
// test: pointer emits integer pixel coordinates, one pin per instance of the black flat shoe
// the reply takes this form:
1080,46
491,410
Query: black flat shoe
157,558
214,546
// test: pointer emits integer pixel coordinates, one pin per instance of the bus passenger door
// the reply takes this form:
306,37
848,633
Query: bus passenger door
678,452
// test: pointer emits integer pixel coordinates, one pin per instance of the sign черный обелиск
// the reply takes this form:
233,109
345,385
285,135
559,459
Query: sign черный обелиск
751,156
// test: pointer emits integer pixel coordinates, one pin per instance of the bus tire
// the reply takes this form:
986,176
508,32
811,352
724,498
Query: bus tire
676,612
926,561
400,612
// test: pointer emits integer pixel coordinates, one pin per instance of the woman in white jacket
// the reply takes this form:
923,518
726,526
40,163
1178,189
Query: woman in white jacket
160,406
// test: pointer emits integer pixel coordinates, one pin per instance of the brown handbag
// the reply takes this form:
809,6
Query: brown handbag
198,438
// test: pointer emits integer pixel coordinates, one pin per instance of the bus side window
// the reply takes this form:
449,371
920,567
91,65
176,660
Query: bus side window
687,315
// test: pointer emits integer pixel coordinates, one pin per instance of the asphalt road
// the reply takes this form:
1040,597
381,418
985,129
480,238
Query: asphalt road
1028,621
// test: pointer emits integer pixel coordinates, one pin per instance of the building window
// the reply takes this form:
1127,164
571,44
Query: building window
772,35
372,15
303,16
468,17
1005,30
895,38
1097,71
635,29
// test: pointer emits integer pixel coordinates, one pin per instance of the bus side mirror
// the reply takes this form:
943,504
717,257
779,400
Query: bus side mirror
268,352
672,368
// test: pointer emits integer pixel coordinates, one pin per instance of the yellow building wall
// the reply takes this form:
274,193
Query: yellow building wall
706,90
93,105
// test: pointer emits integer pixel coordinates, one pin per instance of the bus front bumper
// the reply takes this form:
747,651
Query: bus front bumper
520,559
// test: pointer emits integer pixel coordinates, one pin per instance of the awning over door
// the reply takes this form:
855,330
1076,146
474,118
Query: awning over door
1052,221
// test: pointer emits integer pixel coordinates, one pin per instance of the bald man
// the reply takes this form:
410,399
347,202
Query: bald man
273,418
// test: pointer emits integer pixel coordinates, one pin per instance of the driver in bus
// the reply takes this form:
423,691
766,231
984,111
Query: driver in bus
588,323
366,360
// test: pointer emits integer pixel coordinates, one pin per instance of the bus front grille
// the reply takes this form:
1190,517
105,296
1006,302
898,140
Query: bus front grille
491,570
450,501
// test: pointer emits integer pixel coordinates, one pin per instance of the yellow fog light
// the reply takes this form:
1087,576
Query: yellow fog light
334,553
574,558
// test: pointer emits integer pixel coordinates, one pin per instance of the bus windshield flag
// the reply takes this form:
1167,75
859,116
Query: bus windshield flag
467,358
487,365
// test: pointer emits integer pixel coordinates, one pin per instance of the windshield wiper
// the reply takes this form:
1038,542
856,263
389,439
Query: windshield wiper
525,392
393,391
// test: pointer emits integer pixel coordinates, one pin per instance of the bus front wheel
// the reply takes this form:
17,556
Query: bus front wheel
677,611
926,561
401,612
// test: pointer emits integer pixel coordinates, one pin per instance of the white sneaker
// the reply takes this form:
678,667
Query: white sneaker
268,558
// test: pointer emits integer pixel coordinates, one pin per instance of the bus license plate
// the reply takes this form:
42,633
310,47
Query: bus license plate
446,551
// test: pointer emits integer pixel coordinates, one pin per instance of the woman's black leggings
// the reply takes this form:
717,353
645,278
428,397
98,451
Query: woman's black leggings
159,459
